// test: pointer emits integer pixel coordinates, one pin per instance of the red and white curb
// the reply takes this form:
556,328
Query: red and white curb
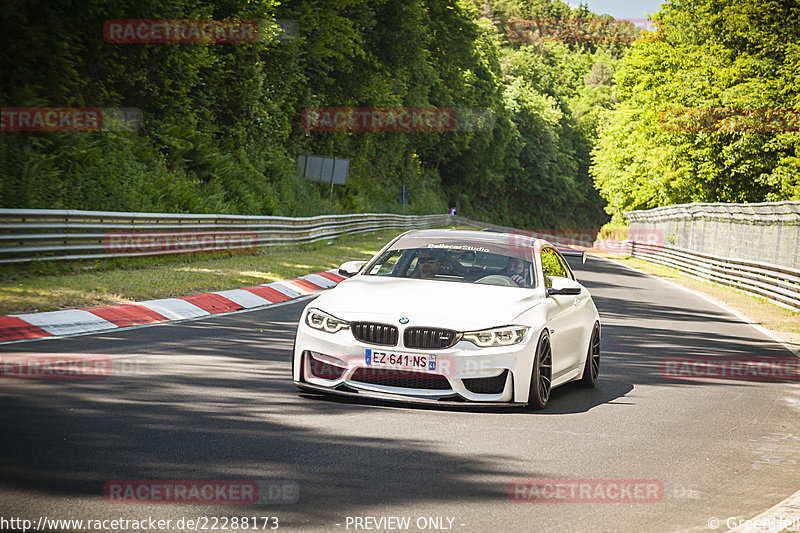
95,319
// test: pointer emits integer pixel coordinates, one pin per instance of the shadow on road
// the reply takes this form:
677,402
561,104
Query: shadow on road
217,398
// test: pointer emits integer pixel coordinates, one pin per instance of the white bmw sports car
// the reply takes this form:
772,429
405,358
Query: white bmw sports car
442,316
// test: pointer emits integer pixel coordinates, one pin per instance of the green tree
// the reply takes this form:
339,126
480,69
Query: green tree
705,55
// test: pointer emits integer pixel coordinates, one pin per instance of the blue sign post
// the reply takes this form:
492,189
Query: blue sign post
403,197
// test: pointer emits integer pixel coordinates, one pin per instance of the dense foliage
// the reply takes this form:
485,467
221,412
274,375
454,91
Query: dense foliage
222,125
733,58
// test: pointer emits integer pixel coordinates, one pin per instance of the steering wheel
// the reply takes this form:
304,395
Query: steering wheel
497,279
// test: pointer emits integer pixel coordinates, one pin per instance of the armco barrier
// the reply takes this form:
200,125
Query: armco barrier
779,285
754,248
43,234
766,232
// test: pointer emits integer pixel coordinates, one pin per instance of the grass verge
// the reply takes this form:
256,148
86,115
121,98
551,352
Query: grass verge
783,322
52,286
68,285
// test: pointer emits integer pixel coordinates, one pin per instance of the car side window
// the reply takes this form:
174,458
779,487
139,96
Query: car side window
552,266
565,267
385,266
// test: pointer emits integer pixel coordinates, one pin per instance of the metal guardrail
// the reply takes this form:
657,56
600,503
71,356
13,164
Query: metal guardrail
43,234
779,285
751,247
761,232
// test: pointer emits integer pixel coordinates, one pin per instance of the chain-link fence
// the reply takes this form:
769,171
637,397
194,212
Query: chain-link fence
751,247
766,232
47,235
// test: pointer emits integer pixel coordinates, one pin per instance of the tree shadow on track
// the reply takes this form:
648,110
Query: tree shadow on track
221,407
69,439
622,308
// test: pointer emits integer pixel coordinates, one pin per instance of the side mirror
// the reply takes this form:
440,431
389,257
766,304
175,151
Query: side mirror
351,268
563,286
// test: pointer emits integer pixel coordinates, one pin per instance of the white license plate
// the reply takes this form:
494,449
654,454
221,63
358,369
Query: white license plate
425,362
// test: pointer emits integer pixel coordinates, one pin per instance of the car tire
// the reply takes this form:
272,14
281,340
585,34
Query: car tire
541,375
591,369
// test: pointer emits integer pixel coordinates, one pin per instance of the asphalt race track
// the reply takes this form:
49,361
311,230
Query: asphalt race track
212,399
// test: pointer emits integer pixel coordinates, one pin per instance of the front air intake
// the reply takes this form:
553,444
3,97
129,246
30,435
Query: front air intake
405,379
493,385
321,369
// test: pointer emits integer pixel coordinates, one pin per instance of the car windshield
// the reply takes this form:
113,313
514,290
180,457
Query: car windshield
455,262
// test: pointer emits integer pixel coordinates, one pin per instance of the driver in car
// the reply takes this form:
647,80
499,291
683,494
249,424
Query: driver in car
428,264
515,269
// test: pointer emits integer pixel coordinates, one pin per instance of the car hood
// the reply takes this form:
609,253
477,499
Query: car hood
452,305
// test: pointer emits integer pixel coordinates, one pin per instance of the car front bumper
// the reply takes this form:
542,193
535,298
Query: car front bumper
336,363
401,399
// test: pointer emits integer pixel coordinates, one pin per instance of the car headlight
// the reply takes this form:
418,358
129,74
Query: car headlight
505,336
324,322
